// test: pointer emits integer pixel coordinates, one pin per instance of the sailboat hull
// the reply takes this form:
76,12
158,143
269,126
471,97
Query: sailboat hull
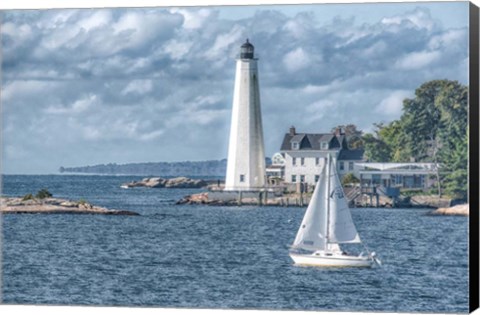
332,260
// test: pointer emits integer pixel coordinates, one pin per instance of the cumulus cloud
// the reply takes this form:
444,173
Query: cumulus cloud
418,60
318,110
392,105
195,18
418,18
138,87
296,60
77,107
132,84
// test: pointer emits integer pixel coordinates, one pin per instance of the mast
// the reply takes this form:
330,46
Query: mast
328,202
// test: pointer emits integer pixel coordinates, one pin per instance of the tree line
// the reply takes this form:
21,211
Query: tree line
186,168
210,168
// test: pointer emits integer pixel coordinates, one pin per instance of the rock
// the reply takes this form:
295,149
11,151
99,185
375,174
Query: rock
184,182
158,182
54,205
201,198
68,204
430,201
455,210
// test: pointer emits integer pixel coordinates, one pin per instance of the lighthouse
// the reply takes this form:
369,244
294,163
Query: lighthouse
246,154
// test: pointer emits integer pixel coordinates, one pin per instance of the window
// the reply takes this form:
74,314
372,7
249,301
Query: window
302,161
324,145
342,166
350,166
317,177
294,161
317,161
294,178
302,178
294,145
242,178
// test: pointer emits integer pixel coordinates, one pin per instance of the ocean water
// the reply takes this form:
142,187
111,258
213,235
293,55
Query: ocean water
219,257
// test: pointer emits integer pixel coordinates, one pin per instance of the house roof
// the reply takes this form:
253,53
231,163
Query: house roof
297,138
311,141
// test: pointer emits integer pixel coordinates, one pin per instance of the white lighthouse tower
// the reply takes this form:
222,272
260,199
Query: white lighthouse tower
246,154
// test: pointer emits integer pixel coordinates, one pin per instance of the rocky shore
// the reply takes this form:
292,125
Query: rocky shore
205,199
462,210
158,182
54,205
292,200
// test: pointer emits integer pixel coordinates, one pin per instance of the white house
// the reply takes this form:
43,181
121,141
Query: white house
305,153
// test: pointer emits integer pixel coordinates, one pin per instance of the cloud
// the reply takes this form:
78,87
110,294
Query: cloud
418,60
296,60
195,18
138,87
100,18
419,18
392,105
223,41
132,84
318,110
77,107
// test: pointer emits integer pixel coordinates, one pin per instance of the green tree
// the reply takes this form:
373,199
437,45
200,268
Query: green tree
43,193
432,128
376,150
393,137
455,175
349,178
421,120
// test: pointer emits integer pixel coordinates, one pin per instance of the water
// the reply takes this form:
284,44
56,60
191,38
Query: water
219,257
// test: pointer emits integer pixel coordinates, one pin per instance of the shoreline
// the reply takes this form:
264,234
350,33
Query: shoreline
438,206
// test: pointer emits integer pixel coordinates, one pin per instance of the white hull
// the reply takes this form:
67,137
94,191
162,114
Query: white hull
320,259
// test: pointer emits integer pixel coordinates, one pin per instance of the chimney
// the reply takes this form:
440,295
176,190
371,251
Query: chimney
338,131
292,131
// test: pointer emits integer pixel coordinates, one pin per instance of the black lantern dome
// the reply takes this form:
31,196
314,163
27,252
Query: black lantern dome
246,51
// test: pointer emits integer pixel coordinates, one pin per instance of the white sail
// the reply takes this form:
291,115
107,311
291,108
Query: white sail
311,234
341,228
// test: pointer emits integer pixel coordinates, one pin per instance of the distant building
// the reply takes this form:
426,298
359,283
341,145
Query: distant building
398,175
276,170
305,153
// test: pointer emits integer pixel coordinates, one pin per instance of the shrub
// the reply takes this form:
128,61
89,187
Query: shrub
349,178
44,193
28,197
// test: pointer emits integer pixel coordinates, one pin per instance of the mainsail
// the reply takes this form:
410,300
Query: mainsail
341,228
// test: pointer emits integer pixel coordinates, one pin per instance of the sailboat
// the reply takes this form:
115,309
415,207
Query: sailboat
327,224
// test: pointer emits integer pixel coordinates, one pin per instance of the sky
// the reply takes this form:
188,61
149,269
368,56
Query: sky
91,86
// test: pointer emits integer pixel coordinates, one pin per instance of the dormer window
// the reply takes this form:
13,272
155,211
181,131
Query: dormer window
324,145
295,145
